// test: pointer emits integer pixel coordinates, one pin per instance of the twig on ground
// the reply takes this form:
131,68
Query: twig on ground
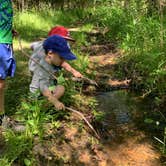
83,117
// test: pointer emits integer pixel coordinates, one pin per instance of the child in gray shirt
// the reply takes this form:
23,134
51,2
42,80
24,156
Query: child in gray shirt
57,52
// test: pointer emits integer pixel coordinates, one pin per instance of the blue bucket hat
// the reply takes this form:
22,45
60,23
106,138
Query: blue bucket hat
58,44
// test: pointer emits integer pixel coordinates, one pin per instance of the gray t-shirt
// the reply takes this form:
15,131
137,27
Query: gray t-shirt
41,79
38,54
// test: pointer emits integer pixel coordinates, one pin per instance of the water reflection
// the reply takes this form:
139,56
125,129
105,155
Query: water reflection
117,104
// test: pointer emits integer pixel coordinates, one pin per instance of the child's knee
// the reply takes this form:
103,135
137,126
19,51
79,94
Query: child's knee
59,91
60,88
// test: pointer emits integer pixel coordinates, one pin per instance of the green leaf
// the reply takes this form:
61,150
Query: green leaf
25,106
148,120
61,80
31,122
27,162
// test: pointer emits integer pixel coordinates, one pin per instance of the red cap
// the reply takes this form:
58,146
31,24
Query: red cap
61,31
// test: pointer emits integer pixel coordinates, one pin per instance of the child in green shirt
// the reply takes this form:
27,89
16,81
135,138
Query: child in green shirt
7,62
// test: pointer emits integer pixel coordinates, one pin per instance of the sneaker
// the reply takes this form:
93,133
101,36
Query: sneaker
19,127
8,123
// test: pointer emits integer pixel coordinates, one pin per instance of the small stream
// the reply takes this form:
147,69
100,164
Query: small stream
117,104
124,138
122,108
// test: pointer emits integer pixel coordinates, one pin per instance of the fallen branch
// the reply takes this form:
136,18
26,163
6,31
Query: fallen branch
83,117
89,81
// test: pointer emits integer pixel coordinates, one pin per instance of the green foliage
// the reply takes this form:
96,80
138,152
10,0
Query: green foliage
149,121
114,18
82,62
145,61
31,112
98,115
81,39
27,162
139,35
63,4
17,147
41,22
4,161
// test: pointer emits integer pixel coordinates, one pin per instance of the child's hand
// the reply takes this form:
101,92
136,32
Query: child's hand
77,74
59,106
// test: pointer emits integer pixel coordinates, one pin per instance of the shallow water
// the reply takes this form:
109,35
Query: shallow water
123,136
117,104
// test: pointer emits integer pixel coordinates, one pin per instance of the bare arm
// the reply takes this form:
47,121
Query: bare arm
70,69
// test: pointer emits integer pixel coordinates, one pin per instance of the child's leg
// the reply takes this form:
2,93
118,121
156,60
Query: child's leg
59,91
2,87
54,97
7,68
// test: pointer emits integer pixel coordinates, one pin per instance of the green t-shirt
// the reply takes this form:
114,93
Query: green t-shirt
6,16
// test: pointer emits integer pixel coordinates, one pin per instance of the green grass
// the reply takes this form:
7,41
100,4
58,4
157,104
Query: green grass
35,24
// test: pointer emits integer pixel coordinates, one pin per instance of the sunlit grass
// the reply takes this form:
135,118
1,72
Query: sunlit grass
32,24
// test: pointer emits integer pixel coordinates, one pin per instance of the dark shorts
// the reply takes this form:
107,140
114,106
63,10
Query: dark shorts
7,62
